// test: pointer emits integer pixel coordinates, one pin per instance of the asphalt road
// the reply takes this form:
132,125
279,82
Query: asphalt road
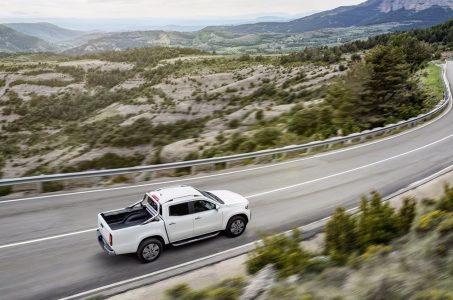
283,195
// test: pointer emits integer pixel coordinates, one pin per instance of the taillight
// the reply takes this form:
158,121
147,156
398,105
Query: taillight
110,240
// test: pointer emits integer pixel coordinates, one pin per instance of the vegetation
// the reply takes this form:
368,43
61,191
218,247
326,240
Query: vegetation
377,253
145,57
229,289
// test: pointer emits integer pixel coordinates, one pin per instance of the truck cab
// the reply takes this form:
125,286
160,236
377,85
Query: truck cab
174,215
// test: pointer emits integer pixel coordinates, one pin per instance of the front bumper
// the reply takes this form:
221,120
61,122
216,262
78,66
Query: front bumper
104,245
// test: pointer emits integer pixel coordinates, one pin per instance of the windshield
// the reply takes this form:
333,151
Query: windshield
211,196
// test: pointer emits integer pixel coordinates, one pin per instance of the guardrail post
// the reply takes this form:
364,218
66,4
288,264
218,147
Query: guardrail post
39,187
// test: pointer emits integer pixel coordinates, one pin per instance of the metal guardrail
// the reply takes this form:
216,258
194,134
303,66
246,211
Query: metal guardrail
225,159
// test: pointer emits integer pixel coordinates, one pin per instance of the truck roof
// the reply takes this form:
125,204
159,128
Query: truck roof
171,193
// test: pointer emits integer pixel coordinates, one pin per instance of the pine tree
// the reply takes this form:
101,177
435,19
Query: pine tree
406,215
340,239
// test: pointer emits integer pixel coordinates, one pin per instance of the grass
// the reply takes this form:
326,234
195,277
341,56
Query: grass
431,80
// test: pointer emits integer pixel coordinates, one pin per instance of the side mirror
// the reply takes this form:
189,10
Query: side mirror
217,207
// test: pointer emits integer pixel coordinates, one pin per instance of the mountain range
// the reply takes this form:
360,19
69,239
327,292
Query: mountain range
372,17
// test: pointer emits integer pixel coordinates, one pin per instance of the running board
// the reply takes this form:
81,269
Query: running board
196,239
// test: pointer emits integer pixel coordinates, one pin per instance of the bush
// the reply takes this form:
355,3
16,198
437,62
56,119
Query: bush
52,186
374,250
340,238
229,289
446,201
430,220
406,214
5,190
284,252
446,226
267,136
106,161
377,223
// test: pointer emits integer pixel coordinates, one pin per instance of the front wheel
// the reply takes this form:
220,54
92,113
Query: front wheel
236,226
149,250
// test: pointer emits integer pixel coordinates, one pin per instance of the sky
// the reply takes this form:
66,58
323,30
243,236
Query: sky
170,9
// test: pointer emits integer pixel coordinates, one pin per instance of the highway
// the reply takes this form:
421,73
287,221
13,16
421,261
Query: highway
48,248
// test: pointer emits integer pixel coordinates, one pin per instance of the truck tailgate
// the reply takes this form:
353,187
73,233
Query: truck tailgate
104,228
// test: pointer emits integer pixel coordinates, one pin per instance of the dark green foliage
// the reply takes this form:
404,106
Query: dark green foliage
141,132
106,161
340,240
5,190
284,252
446,201
321,54
52,186
145,56
406,214
376,223
95,78
308,121
267,136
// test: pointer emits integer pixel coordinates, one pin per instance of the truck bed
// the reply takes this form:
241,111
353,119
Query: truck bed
123,218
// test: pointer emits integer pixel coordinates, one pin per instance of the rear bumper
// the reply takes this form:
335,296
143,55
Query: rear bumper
104,245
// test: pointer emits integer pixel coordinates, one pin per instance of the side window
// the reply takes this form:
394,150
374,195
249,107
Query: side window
181,209
202,205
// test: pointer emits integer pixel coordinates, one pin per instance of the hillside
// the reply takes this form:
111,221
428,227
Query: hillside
14,41
409,13
45,31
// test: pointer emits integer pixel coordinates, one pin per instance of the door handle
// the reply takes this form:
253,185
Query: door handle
172,223
197,218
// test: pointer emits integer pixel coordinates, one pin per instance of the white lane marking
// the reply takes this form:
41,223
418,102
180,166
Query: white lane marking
46,238
237,171
262,193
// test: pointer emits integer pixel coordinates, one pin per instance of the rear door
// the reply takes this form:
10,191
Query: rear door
179,222
206,217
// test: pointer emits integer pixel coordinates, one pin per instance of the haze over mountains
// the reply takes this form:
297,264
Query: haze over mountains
342,24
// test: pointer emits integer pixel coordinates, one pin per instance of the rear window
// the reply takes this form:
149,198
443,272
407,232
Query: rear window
181,209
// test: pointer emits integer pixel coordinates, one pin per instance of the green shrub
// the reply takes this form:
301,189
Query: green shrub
446,226
106,161
229,289
5,190
446,201
430,220
374,250
107,79
377,222
406,214
52,186
267,136
340,238
284,252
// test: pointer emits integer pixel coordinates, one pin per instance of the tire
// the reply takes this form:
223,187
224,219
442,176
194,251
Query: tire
236,226
149,250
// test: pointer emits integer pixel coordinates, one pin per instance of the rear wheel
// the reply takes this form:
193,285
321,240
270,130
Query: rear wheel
149,250
236,226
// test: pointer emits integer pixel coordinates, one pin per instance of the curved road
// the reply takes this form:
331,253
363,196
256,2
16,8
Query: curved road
283,195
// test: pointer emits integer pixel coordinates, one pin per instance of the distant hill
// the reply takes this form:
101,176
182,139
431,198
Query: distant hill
14,41
411,13
46,31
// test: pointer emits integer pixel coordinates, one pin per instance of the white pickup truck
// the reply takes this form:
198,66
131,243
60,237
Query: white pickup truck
174,215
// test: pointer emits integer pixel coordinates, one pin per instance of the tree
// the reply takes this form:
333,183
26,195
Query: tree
377,223
340,238
406,215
